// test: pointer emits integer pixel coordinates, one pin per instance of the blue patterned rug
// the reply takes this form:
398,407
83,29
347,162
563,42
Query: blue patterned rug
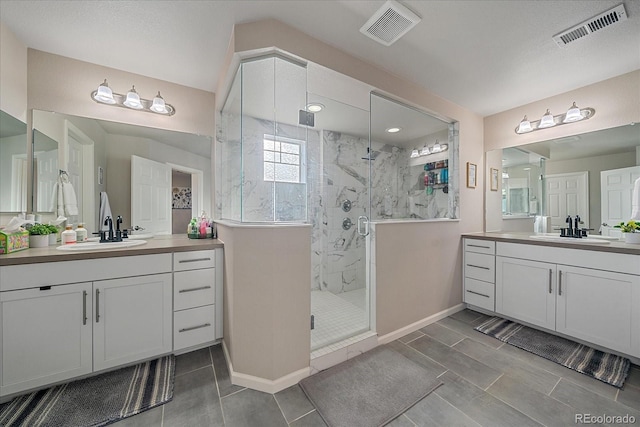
95,401
602,366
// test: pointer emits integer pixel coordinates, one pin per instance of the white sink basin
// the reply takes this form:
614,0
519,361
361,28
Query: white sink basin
584,240
97,246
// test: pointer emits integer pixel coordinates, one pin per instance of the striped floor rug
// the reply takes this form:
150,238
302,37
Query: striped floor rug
95,401
605,367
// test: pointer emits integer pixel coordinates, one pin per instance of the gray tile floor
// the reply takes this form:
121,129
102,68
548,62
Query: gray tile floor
486,383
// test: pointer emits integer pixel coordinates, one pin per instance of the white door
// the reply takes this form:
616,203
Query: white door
599,307
567,195
616,187
46,336
46,177
150,195
132,319
74,170
525,290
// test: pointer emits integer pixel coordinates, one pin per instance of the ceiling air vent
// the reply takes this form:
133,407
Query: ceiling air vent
604,20
389,23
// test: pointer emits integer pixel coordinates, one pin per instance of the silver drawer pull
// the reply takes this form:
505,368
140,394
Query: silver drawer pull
194,260
84,307
478,293
478,266
479,246
194,327
194,289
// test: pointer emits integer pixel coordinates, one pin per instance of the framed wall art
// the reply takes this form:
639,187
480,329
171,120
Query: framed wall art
471,174
494,179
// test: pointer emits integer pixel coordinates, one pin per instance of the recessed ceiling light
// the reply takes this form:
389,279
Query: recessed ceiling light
526,169
315,107
393,130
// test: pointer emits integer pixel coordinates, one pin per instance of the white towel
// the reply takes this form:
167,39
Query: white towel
70,200
60,199
53,201
105,210
635,201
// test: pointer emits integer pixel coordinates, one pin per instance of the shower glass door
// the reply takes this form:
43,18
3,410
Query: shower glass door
339,161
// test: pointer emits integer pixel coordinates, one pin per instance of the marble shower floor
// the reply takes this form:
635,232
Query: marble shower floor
337,316
486,383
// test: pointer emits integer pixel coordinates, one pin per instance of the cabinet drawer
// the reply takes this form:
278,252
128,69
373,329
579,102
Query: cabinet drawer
193,288
478,293
480,246
480,266
193,327
194,260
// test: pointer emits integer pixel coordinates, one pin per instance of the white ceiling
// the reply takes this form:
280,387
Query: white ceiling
488,56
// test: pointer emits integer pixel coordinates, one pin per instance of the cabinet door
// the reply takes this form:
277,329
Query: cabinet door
525,290
599,307
132,319
46,336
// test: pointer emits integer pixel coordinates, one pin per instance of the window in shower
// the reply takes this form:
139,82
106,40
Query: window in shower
283,159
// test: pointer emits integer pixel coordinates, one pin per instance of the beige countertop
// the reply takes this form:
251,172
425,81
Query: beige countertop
156,245
616,246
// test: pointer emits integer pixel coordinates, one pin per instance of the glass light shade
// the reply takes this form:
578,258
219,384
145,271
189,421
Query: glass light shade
414,153
315,107
525,126
133,99
425,151
436,147
158,105
104,94
393,130
573,114
547,121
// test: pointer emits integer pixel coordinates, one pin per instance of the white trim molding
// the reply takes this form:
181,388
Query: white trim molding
392,336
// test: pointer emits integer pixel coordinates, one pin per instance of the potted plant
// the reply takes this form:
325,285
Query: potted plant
630,231
39,236
53,234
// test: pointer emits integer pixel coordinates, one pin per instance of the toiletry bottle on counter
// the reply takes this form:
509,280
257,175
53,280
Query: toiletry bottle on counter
68,235
81,233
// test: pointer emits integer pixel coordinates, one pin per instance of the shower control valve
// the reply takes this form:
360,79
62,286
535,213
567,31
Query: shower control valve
347,223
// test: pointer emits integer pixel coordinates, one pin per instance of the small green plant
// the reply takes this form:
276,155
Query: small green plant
630,227
39,229
53,229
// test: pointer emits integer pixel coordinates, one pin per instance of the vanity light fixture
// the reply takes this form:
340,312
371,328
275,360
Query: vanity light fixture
426,151
546,121
573,114
393,130
436,147
415,153
104,95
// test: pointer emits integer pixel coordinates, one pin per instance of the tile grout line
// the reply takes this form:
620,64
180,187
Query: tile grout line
458,409
554,387
215,378
280,408
407,417
302,416
456,343
162,417
494,381
518,410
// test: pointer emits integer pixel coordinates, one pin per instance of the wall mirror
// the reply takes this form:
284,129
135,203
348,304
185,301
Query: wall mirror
590,175
96,156
13,164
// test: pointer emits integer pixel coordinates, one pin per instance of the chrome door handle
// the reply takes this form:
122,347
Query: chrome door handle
559,282
363,221
97,305
84,307
194,289
550,280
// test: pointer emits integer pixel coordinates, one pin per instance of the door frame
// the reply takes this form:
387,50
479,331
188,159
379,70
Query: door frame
197,188
88,208
584,175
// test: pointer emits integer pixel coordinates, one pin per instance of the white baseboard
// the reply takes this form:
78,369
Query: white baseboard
262,384
392,336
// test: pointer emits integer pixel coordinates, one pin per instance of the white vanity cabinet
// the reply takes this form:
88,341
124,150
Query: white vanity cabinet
131,319
589,295
64,319
479,273
194,298
46,336
526,290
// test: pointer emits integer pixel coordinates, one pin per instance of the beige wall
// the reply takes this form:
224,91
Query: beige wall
420,298
13,74
64,85
616,101
266,298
